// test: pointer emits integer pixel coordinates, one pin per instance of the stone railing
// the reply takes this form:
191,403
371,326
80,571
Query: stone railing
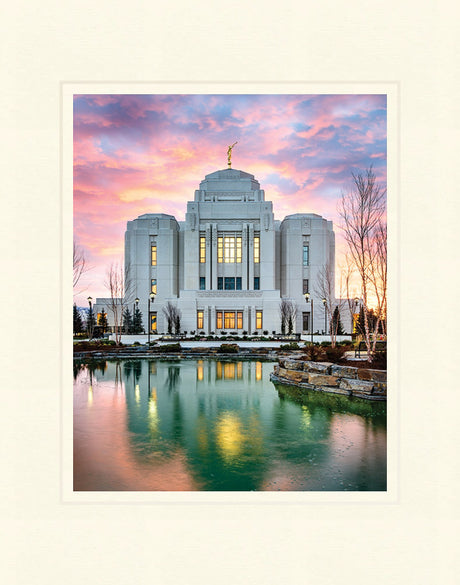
332,378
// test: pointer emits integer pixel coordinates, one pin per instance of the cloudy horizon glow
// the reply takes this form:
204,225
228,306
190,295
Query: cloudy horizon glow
136,154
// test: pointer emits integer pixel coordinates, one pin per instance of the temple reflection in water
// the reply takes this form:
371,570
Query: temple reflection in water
215,425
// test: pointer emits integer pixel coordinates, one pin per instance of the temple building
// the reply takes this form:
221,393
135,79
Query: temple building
230,264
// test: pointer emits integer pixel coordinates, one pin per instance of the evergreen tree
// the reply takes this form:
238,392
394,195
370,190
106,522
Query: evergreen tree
103,321
359,325
127,321
137,326
337,323
77,320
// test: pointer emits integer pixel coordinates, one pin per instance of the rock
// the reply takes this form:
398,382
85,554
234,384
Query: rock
374,375
318,367
323,380
292,364
343,371
357,386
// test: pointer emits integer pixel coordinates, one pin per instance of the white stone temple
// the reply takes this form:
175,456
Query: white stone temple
229,265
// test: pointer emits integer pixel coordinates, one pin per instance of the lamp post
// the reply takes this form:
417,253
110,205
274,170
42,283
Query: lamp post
355,307
325,316
307,298
152,299
90,318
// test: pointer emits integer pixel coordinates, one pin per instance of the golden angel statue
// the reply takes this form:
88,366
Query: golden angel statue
229,154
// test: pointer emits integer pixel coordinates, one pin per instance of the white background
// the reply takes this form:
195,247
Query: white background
46,540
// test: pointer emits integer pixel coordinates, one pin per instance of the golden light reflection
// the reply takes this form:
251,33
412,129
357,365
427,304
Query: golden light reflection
154,419
239,370
229,371
219,370
90,396
258,371
199,371
153,368
229,436
306,417
137,394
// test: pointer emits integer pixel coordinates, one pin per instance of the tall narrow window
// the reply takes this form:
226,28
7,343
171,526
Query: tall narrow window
238,283
229,249
202,249
305,285
229,320
238,249
154,255
153,321
153,285
202,283
199,319
256,283
239,320
219,320
256,249
258,319
220,283
220,250
305,256
305,321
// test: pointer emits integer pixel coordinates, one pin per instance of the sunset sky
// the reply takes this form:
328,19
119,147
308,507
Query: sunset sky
136,154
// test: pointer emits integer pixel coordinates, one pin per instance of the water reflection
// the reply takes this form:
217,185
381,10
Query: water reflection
218,425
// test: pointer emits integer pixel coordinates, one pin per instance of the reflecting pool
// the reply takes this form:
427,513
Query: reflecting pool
207,425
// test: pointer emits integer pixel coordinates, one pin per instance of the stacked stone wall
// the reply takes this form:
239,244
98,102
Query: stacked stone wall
335,379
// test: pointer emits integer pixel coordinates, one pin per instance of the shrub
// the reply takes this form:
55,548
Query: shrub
265,332
245,332
232,332
325,344
136,344
255,333
314,353
170,347
202,333
288,346
228,348
335,354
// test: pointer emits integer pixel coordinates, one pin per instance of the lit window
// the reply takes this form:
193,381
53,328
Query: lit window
202,283
154,255
305,256
238,250
305,321
220,283
239,320
229,320
256,250
229,249
305,285
153,285
153,321
258,319
220,250
219,320
238,283
202,249
199,319
256,283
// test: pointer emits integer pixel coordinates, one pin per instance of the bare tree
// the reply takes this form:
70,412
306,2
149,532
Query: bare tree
173,317
361,210
79,263
288,313
325,290
378,276
120,285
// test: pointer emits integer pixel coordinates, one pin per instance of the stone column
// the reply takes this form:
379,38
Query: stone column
244,251
251,257
208,256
